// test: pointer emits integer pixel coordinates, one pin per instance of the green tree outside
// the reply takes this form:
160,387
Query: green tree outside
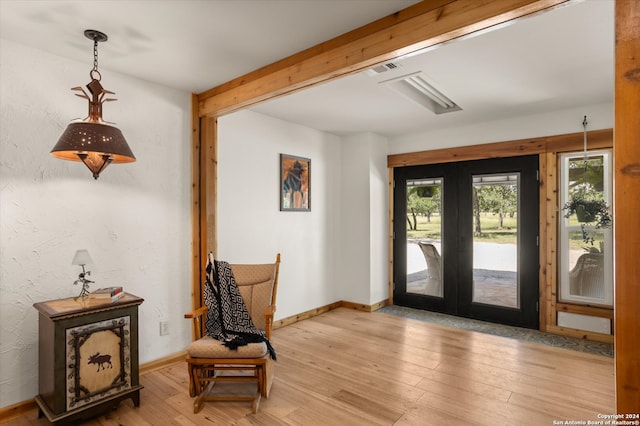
422,201
501,200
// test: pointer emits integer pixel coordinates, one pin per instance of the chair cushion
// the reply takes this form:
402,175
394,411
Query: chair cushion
208,347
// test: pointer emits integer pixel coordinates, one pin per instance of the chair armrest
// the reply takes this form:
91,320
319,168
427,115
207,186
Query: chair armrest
196,316
196,313
268,319
270,310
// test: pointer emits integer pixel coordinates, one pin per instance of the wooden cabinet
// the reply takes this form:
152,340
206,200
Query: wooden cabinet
88,353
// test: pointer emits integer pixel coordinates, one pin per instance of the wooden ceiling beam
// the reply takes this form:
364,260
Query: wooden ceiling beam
423,25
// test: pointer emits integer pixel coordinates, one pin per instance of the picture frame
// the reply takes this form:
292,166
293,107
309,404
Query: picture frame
295,183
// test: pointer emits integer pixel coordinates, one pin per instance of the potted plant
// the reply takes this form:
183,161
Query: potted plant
589,208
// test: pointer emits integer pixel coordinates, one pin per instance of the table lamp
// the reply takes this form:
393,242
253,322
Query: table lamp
82,258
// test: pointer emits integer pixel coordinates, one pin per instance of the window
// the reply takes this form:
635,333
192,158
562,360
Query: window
585,273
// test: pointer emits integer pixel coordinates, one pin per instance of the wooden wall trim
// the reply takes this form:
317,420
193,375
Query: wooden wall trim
549,201
306,315
580,334
204,198
152,366
426,24
364,307
594,311
326,308
543,277
196,259
211,177
558,143
626,224
209,181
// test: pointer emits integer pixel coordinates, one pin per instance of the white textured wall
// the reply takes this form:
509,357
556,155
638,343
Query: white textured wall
379,220
339,250
364,247
134,220
251,228
355,248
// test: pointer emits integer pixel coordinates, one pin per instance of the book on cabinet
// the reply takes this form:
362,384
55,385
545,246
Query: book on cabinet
107,294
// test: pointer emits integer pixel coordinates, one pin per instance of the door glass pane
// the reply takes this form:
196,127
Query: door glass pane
495,239
424,237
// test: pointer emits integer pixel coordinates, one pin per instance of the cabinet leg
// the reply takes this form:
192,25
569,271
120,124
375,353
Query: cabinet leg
136,399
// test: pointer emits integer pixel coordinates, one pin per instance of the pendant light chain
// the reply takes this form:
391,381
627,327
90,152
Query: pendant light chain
95,54
584,125
94,72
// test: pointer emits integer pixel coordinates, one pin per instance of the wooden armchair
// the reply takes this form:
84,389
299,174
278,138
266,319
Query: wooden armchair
210,361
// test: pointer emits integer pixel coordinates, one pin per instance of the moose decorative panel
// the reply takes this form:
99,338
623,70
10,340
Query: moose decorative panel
98,361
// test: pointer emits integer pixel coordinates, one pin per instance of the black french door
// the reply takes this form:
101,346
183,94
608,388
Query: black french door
466,239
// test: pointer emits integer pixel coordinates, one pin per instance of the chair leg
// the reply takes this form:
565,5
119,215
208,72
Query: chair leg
268,373
256,401
193,387
262,380
201,387
197,403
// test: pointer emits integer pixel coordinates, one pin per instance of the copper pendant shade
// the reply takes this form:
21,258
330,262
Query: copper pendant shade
93,141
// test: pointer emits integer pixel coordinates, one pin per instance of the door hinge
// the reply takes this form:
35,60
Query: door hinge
537,240
538,306
538,175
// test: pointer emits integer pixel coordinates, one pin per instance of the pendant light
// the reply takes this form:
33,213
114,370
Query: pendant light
95,142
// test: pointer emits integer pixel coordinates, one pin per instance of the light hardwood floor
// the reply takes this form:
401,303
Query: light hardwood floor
348,367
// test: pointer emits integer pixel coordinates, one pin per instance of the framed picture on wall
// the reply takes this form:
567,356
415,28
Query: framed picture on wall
295,183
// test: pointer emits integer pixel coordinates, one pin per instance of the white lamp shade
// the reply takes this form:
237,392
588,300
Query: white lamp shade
82,257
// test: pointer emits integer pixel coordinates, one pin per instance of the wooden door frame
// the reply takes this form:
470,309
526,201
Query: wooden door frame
626,228
425,24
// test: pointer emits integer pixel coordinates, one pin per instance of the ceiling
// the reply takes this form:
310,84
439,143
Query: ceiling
554,60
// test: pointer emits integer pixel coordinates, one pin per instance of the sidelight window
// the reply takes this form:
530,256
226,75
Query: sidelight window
585,271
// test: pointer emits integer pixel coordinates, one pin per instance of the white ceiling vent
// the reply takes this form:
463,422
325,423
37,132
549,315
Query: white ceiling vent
379,69
417,88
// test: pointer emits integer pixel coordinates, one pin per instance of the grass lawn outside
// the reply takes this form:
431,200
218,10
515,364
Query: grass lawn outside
488,222
490,232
